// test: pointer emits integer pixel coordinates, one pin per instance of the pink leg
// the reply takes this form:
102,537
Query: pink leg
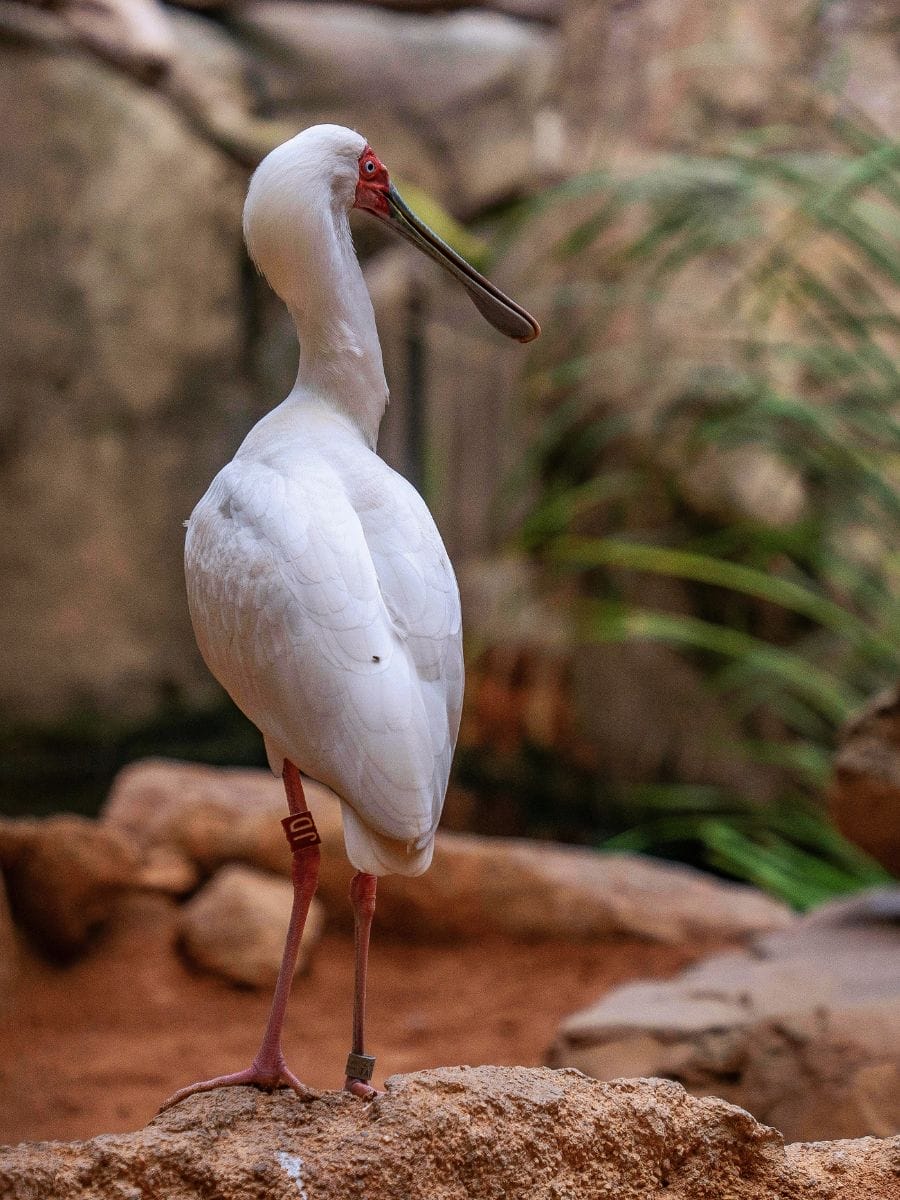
269,1068
362,897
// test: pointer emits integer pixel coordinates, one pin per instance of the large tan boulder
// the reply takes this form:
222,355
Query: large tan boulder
536,890
457,1131
64,876
213,815
803,1029
235,926
475,885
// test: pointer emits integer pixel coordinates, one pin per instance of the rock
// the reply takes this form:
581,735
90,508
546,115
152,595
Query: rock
803,1029
133,34
126,378
859,36
64,876
741,483
235,926
456,1131
547,11
534,889
864,797
672,73
426,86
475,885
211,82
213,815
165,869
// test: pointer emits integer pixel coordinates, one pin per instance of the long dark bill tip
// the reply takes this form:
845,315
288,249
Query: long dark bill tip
495,306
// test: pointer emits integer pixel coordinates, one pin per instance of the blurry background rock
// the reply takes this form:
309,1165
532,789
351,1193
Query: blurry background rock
478,886
235,926
802,1028
63,876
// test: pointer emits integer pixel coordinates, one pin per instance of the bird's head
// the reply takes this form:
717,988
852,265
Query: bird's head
333,169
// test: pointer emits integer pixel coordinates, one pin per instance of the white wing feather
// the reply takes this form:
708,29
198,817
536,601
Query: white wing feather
324,602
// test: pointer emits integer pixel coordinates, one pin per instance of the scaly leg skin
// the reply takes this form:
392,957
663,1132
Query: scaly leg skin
268,1069
362,897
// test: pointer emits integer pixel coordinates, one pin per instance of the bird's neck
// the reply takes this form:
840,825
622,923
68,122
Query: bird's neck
340,355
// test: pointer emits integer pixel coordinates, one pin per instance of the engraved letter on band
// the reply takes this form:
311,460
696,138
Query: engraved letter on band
300,830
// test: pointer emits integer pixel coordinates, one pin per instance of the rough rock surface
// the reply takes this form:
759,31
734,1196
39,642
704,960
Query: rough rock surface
485,1132
454,96
542,890
235,926
632,73
63,877
803,1029
475,884
123,367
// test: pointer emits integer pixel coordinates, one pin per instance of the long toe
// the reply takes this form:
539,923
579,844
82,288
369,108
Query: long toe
253,1076
365,1091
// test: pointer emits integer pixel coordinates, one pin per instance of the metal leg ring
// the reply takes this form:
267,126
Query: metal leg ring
360,1066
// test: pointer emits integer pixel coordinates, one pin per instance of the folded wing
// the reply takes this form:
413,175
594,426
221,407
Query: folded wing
334,624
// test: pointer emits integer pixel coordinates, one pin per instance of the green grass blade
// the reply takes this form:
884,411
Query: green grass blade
613,622
587,552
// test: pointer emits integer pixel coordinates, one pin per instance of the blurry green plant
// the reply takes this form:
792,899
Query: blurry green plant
711,306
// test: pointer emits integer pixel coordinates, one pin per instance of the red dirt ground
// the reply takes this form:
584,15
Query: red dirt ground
96,1046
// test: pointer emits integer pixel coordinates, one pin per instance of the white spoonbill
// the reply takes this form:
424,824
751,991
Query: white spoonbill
320,592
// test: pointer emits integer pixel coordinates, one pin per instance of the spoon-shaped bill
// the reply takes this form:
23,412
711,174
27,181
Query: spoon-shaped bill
496,307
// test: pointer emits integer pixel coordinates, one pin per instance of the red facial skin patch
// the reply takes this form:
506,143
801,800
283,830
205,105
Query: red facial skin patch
373,184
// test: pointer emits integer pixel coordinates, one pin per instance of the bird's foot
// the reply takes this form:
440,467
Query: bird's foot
267,1078
365,1091
360,1068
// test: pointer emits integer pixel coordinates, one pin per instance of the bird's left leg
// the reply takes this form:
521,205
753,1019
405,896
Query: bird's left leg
269,1069
359,1064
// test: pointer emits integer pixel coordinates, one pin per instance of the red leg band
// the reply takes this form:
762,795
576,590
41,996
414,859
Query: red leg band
300,831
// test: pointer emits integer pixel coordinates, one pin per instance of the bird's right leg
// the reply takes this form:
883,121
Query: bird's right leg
359,1064
269,1068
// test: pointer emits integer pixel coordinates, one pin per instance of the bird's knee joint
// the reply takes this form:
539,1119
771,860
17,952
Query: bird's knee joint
362,893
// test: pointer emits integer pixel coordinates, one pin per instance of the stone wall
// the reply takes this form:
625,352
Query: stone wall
138,347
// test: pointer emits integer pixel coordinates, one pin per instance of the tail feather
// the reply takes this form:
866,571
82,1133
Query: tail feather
378,855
